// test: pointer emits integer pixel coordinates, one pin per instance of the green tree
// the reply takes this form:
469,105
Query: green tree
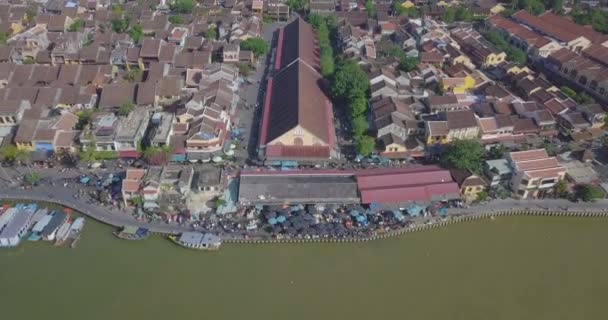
3,37
561,189
157,155
88,154
481,196
322,25
358,106
549,147
77,25
349,81
117,10
516,55
370,7
365,145
568,91
589,193
126,108
84,118
584,99
557,6
33,178
296,5
176,19
9,153
211,33
463,155
449,15
137,201
182,6
30,15
408,64
497,152
28,60
258,46
136,33
327,62
360,126
244,69
463,13
120,25
133,75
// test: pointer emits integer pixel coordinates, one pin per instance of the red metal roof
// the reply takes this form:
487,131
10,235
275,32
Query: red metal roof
416,183
277,59
405,194
266,112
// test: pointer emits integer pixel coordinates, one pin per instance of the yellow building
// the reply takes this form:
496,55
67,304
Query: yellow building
458,84
436,132
408,4
471,185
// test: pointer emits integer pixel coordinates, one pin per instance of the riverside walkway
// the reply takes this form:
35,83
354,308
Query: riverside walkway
64,197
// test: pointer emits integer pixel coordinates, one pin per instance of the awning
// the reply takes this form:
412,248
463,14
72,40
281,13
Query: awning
41,155
199,156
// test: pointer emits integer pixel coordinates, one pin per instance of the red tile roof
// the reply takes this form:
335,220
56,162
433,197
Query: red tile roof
533,38
544,26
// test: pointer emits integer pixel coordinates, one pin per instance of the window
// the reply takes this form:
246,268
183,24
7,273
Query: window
525,182
298,131
521,192
478,188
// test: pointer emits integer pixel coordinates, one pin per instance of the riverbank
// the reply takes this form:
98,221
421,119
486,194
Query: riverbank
516,267
492,209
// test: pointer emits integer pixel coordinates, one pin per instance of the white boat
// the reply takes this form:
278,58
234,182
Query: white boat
63,233
76,227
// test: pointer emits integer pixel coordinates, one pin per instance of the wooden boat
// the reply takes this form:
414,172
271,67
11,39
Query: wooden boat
197,241
132,233
76,231
63,233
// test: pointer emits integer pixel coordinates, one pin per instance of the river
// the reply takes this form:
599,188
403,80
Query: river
509,268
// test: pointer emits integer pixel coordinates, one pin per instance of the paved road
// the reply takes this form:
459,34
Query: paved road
64,196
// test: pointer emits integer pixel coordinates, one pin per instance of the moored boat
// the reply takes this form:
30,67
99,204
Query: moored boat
197,241
63,233
132,233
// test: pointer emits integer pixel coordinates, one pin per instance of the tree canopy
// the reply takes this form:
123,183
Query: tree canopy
296,5
463,155
126,108
598,19
514,54
176,19
120,25
77,25
258,46
157,155
322,25
182,6
211,33
370,7
349,81
589,192
136,33
350,86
